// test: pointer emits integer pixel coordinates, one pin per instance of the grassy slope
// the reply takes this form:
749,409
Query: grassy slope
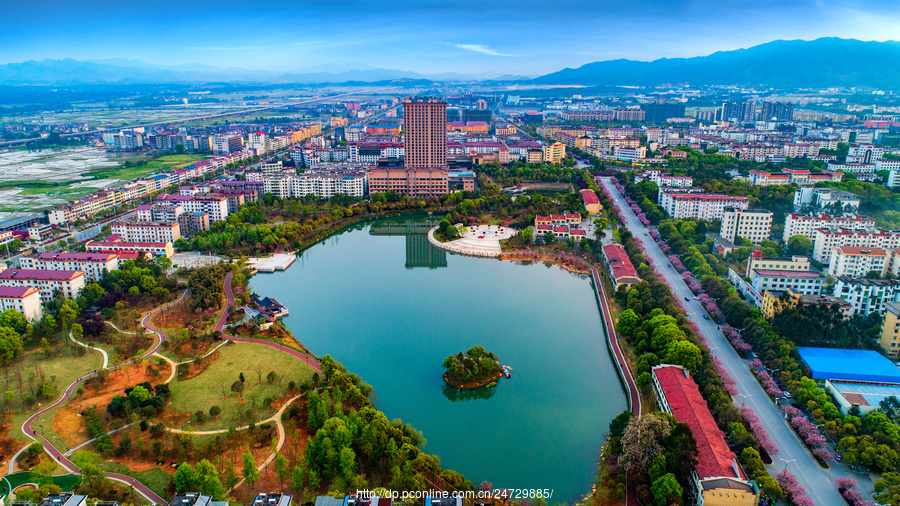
204,390
67,368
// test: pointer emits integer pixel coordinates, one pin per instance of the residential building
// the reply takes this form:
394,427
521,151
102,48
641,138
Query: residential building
890,328
146,231
703,206
825,240
663,196
864,154
190,499
24,299
621,270
856,262
747,224
461,181
867,295
665,180
718,478
802,282
796,224
796,263
48,283
827,200
154,248
629,154
424,133
225,144
273,499
777,111
843,306
192,223
554,153
93,265
64,499
321,183
159,211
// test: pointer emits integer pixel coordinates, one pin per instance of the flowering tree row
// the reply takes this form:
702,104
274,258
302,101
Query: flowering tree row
711,307
765,378
758,431
849,489
676,263
727,380
793,489
734,337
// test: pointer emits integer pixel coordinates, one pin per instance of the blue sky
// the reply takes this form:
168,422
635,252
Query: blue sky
523,37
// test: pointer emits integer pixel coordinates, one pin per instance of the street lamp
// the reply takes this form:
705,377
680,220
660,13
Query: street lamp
786,462
743,397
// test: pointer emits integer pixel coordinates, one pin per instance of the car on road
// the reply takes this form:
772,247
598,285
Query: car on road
705,317
687,299
837,457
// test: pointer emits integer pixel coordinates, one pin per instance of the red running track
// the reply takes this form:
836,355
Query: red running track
57,455
229,296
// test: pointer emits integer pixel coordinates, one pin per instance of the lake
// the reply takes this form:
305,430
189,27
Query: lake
390,307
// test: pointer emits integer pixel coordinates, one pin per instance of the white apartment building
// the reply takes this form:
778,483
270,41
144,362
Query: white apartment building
825,199
796,224
216,206
867,295
802,282
752,225
48,283
703,206
258,141
93,265
856,262
225,144
24,299
796,263
322,184
825,241
160,211
663,196
147,231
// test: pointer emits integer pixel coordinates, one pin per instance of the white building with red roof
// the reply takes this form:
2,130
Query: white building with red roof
718,477
24,299
93,265
48,283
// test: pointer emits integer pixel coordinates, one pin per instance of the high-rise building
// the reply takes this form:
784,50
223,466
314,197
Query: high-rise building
661,112
224,144
424,133
738,111
779,111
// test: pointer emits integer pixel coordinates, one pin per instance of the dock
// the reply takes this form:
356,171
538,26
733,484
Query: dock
276,262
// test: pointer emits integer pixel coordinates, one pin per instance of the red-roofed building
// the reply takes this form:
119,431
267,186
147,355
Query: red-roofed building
621,270
718,478
48,283
591,202
24,299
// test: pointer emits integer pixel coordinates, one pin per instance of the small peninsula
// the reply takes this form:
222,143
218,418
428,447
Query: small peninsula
473,369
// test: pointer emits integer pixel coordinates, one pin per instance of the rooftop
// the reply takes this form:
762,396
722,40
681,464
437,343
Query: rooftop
786,273
85,257
16,291
619,262
855,250
865,393
842,364
38,274
714,458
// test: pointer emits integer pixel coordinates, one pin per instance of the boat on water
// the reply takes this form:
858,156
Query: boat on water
506,371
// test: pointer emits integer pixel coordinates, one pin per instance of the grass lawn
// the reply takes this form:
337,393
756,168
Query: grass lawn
206,389
59,370
166,162
155,479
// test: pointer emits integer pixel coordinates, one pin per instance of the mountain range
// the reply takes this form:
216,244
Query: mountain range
820,63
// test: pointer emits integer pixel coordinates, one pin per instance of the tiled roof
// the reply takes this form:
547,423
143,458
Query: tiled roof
40,274
619,262
714,458
16,291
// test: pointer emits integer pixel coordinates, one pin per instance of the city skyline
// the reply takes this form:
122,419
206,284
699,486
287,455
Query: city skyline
461,36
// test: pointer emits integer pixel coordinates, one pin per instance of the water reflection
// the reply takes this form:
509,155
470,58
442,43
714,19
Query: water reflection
459,394
419,252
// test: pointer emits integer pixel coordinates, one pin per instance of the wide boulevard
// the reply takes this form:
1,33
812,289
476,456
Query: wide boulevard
793,455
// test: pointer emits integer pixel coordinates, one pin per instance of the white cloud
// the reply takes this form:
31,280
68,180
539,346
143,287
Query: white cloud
479,48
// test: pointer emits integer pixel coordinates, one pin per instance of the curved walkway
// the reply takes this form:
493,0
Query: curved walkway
101,350
64,461
468,246
274,418
229,296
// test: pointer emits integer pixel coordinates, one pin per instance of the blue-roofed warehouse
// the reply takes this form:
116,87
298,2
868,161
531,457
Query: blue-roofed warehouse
856,365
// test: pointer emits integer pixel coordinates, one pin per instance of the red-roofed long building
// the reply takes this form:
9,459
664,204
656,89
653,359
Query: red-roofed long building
591,202
719,479
621,270
24,299
93,265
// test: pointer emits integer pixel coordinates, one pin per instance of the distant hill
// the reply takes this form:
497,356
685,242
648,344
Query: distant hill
124,71
820,63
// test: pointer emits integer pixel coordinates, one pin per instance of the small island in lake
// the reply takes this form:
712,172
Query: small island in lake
473,369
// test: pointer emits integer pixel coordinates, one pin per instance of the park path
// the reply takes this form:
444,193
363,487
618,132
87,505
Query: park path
64,461
229,296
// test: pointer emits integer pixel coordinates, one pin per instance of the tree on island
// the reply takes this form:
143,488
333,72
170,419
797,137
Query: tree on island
475,368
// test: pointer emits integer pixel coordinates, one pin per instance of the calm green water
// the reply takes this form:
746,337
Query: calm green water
392,307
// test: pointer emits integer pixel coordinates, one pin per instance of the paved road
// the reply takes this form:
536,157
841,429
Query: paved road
793,455
57,455
229,295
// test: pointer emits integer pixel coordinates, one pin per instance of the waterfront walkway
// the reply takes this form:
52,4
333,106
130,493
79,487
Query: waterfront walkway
479,241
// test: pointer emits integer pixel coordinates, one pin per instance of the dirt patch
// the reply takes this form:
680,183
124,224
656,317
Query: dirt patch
68,422
8,445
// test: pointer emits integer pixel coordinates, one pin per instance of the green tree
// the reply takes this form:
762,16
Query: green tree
683,353
628,322
799,245
666,488
140,395
185,478
250,473
282,469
